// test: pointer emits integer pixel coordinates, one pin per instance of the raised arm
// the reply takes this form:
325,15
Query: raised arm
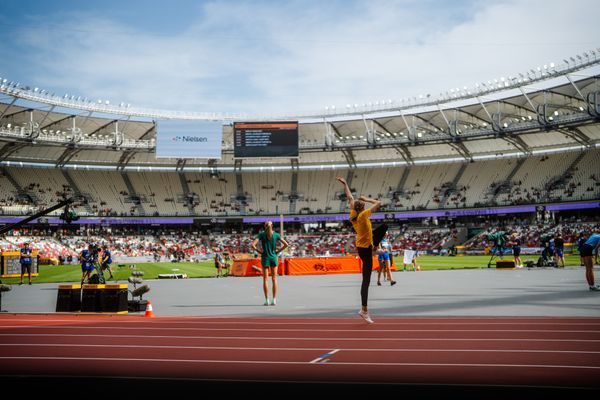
376,203
349,196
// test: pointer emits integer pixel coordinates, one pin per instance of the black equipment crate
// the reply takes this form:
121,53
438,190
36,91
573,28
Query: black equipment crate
68,298
114,299
137,305
92,297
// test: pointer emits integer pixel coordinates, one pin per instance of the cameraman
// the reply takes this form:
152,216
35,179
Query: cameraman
87,263
499,240
106,260
95,262
547,250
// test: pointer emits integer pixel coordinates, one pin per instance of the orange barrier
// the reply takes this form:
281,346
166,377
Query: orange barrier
253,267
305,266
323,266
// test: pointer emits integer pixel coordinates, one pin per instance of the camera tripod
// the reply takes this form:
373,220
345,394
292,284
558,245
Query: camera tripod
99,272
494,255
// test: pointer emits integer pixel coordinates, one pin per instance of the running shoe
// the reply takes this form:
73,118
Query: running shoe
266,302
595,288
274,302
392,283
366,316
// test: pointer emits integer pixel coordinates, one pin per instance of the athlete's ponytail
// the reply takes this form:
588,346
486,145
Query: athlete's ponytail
269,229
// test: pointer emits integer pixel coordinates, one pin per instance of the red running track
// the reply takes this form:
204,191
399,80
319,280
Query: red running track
540,352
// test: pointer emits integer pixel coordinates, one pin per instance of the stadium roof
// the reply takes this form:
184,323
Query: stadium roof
555,108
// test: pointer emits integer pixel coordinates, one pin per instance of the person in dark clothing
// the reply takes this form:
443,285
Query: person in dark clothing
107,260
516,248
559,251
87,264
26,261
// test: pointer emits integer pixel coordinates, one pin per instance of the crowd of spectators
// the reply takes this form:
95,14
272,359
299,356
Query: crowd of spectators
530,235
176,244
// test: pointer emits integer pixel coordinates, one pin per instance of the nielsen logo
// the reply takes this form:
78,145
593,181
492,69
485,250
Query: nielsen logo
201,139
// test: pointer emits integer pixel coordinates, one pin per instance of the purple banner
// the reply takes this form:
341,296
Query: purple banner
107,221
466,212
318,218
574,206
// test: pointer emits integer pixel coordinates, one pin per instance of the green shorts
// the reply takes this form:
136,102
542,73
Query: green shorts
269,262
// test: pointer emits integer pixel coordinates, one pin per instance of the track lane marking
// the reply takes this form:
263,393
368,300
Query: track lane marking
293,330
380,321
397,350
303,338
159,360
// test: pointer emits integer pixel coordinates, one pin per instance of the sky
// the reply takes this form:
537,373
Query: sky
282,57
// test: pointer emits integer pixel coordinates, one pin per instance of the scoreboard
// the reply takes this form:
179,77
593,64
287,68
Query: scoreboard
10,263
265,139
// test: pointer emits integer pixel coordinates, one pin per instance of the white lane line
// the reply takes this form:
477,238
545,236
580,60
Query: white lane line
294,330
397,350
137,346
301,338
349,322
160,360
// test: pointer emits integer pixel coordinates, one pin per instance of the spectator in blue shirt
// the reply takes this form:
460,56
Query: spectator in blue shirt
25,262
87,264
589,249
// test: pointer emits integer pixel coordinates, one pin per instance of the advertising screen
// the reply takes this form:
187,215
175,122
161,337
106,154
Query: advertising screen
265,139
188,139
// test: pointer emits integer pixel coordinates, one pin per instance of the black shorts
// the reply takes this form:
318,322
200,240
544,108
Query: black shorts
516,251
586,250
25,268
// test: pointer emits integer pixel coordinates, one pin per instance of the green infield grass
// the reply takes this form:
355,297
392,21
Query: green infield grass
206,269
72,273
463,262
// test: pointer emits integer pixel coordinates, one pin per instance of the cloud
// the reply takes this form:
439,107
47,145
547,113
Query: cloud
258,58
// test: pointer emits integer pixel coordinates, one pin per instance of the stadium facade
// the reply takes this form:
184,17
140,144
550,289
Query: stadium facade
527,140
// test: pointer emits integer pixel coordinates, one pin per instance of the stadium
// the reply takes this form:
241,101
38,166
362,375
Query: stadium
516,154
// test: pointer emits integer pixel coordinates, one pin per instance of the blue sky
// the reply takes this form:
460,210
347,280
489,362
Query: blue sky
281,57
